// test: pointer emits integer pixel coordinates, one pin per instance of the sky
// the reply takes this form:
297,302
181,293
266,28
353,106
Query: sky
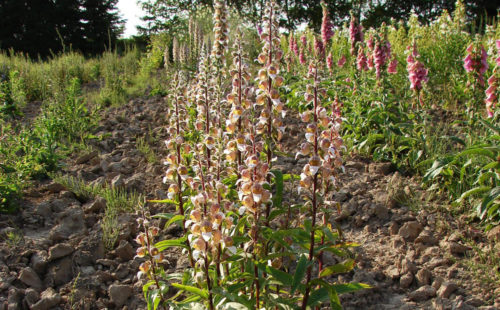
131,11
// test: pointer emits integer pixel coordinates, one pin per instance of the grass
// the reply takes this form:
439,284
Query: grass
117,201
144,147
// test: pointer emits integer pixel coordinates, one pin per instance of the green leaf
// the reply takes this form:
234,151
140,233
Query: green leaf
191,289
279,276
164,244
346,266
317,296
349,287
174,219
278,183
300,271
164,201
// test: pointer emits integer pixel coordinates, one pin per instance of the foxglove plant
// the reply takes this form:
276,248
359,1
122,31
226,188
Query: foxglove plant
177,172
361,61
318,177
326,25
417,73
392,67
476,62
492,92
355,33
381,52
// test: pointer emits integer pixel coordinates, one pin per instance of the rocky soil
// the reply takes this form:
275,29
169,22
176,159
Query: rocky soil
52,255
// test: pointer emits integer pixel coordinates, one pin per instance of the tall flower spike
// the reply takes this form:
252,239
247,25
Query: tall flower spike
355,33
322,145
326,25
476,61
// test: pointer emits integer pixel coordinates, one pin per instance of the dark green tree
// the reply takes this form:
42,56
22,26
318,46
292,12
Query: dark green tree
45,27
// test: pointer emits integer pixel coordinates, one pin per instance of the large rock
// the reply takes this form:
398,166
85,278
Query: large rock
119,294
446,289
118,181
29,277
71,223
14,299
59,250
61,272
39,262
406,280
86,157
410,230
494,233
125,251
31,297
48,300
423,293
98,205
423,277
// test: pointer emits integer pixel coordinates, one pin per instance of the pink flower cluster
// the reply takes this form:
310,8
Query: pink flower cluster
355,34
491,94
392,67
476,61
498,53
416,70
492,90
341,62
329,62
294,47
361,62
326,26
381,54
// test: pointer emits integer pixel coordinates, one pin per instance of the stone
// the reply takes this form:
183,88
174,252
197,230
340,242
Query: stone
48,300
380,168
31,296
29,277
121,271
119,294
125,251
410,230
446,289
437,282
406,280
426,237
99,204
39,262
86,157
118,181
70,223
457,248
423,293
393,228
54,187
135,182
59,250
392,272
407,265
61,272
66,195
14,299
494,233
423,277
381,212
43,209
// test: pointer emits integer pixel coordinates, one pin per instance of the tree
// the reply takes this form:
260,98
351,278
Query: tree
43,27
165,15
101,25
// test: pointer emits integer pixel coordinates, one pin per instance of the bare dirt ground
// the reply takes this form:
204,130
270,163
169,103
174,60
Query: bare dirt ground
413,252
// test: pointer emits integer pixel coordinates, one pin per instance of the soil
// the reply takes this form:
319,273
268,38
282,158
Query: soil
412,252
